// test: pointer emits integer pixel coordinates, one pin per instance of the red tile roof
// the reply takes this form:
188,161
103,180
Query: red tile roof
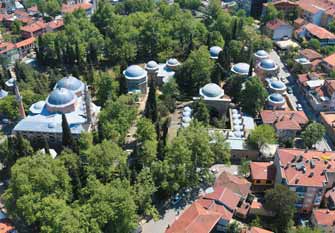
33,9
330,194
6,46
237,184
316,63
299,21
284,119
302,79
69,8
319,32
6,226
25,42
196,219
21,13
262,171
226,196
276,23
34,27
324,216
330,60
314,165
55,24
310,54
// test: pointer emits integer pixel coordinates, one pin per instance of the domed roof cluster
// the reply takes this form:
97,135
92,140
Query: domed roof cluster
276,98
61,97
268,64
261,54
277,85
214,52
211,90
71,83
134,72
241,68
151,65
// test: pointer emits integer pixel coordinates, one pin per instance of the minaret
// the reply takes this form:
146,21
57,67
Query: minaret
19,100
88,105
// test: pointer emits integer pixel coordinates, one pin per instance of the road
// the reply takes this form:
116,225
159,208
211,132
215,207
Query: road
298,97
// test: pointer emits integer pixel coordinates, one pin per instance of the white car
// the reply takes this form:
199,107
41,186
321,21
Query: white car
299,107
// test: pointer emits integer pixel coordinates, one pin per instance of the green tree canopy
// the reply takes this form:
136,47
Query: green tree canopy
271,13
220,148
262,134
313,133
280,200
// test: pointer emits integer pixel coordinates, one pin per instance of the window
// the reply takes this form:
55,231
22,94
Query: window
258,181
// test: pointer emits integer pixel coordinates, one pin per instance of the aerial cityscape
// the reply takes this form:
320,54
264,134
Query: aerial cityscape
167,116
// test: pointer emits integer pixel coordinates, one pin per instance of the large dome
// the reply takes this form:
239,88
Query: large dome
261,54
211,90
278,85
241,68
172,62
268,64
60,97
134,71
214,51
71,83
276,98
151,65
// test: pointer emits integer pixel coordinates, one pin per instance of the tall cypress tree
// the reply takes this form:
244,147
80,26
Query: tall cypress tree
151,104
67,138
251,67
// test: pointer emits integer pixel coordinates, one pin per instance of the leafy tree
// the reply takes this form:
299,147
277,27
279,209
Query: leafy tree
313,133
331,26
106,161
220,149
32,180
194,72
67,137
147,141
107,87
253,96
190,4
233,86
50,7
151,105
170,88
262,134
271,13
280,200
233,228
305,230
314,44
110,207
200,111
9,107
244,168
15,27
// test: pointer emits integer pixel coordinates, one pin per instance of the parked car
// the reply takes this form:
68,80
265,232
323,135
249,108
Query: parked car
176,199
289,90
299,107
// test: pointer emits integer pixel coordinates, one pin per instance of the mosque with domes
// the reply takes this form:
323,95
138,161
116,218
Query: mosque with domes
70,97
214,96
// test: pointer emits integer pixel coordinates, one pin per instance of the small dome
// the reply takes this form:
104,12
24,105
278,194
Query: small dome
151,65
60,96
3,93
212,90
214,51
238,134
186,114
187,119
71,83
187,109
268,64
261,54
277,85
276,98
234,111
39,105
303,60
172,62
134,71
241,68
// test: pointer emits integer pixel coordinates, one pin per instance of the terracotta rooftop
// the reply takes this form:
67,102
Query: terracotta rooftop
257,230
330,60
313,6
227,197
55,24
6,46
310,54
330,84
274,24
195,219
329,119
319,32
262,171
316,63
324,216
25,42
6,226
305,168
284,119
237,184
34,27
299,21
69,8
331,194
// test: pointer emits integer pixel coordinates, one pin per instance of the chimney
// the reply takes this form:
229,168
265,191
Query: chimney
297,180
88,105
291,116
19,100
311,174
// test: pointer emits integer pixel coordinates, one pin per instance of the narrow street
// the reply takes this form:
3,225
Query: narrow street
298,97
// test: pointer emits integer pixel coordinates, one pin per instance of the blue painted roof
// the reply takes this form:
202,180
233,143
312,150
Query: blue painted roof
3,93
268,64
172,62
60,96
241,68
134,71
262,53
277,85
212,90
151,65
70,83
214,51
276,98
